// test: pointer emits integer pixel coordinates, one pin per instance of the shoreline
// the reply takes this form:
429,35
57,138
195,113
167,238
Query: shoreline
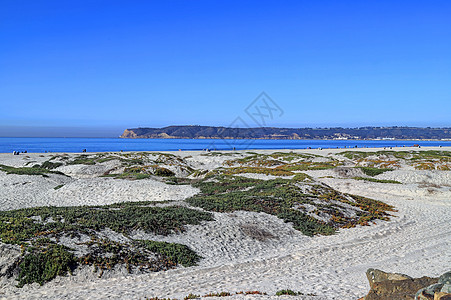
332,150
213,138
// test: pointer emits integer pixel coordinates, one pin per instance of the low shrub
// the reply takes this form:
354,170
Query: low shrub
35,170
377,180
43,259
50,165
176,253
286,292
45,264
276,197
58,186
374,171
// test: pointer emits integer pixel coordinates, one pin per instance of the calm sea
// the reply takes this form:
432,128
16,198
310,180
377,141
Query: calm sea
33,145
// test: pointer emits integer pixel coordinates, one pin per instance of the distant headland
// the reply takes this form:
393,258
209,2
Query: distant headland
336,133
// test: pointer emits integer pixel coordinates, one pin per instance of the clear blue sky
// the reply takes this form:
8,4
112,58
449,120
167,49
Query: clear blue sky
94,68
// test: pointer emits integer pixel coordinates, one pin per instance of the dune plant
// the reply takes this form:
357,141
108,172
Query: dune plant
377,180
285,198
45,263
35,170
38,230
374,171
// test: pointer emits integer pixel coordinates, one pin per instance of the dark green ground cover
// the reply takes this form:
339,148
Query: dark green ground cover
412,155
17,226
377,180
374,171
37,231
282,197
35,170
276,197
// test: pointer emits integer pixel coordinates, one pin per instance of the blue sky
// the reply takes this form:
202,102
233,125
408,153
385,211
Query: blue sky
94,68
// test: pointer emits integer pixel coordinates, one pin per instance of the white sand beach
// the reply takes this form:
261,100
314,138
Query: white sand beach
415,241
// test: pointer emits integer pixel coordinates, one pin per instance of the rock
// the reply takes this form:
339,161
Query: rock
433,288
446,288
375,275
389,286
422,295
445,278
428,293
442,296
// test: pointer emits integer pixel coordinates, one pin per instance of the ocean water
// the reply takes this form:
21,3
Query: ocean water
33,145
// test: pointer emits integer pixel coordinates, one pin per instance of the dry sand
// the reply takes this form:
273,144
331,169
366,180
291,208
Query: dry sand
417,241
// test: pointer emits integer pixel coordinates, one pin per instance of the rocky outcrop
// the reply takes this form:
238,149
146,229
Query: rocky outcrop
129,133
389,286
441,290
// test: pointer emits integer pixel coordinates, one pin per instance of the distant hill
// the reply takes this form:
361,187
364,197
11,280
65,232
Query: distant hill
361,133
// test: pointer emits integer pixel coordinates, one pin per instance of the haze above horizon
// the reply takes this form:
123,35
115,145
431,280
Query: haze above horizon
95,68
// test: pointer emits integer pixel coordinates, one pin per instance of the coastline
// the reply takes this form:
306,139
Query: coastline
94,145
313,150
274,139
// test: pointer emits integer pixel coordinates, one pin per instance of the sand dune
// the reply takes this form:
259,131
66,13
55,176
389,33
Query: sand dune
417,241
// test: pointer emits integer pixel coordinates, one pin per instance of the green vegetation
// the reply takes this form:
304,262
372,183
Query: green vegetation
279,163
284,198
310,206
50,165
58,186
257,170
179,180
38,231
304,166
301,177
177,253
218,154
17,226
191,296
198,173
356,154
35,170
220,294
105,254
276,197
421,160
45,263
83,160
289,156
160,171
291,293
374,171
254,160
376,180
142,172
287,292
131,176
